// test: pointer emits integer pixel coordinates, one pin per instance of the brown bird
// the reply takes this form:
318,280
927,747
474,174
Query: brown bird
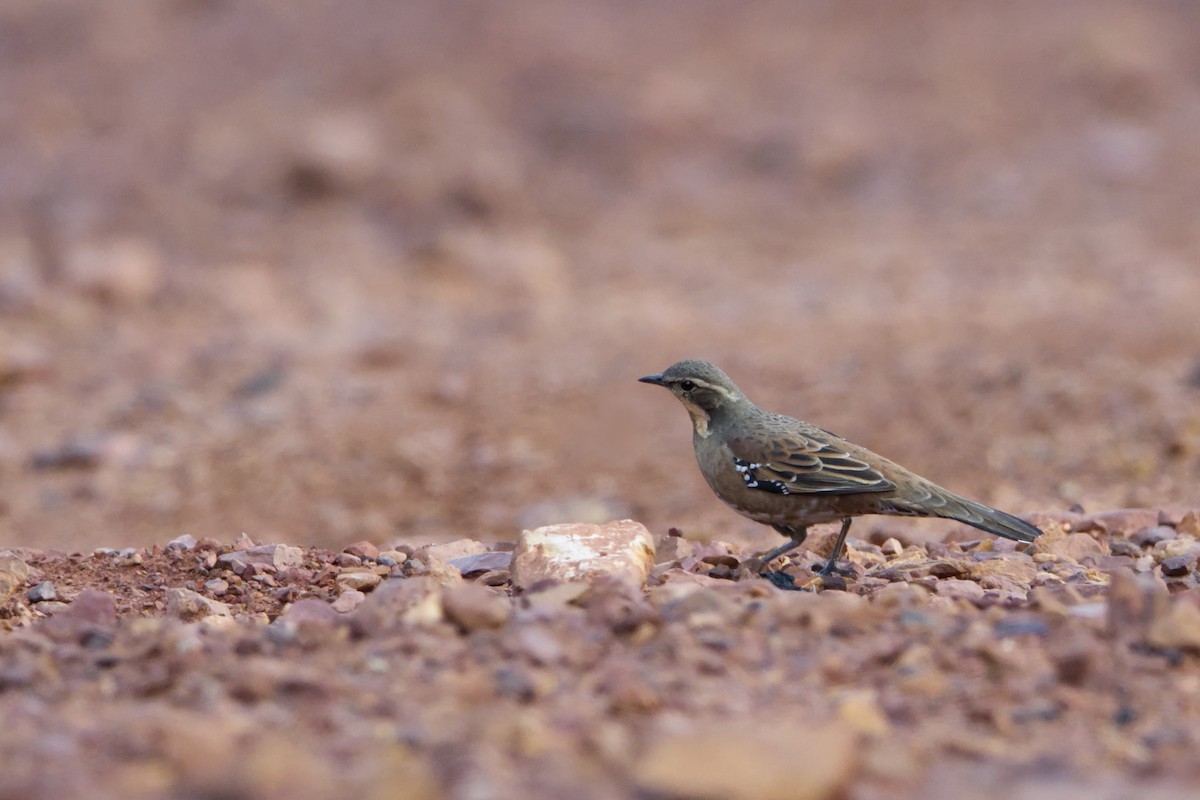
788,474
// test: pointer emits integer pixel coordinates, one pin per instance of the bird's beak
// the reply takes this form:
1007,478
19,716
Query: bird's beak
657,380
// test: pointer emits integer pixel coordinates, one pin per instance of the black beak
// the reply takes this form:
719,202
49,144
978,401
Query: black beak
657,380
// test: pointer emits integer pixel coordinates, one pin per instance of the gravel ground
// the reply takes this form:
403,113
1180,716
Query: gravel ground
963,669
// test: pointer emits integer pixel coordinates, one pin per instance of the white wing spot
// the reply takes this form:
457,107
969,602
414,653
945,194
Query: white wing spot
747,470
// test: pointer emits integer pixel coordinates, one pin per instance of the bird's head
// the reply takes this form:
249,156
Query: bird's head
705,391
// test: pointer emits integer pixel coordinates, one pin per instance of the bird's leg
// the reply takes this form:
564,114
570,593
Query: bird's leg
795,539
831,566
783,580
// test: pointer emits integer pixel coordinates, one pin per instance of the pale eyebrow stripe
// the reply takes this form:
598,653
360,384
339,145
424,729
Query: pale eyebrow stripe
703,384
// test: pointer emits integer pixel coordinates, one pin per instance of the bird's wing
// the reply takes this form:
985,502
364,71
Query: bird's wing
802,464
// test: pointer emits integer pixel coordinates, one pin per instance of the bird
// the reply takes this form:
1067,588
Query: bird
790,474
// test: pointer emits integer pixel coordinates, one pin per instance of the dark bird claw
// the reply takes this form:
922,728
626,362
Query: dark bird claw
784,581
832,568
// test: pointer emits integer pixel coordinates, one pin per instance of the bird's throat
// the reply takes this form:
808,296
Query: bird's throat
700,419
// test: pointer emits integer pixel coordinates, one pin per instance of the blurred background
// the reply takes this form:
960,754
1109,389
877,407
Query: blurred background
323,271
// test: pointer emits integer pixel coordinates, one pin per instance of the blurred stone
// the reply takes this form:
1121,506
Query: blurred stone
861,713
442,574
216,587
1124,547
440,555
538,643
551,597
22,363
834,582
334,152
628,689
904,595
1018,568
51,606
189,606
407,601
347,560
575,551
749,761
363,549
276,556
129,557
1189,525
21,282
359,580
675,577
911,569
184,542
1177,627
615,604
13,573
262,382
1135,602
1171,548
670,549
471,606
85,452
92,607
481,562
1070,546
308,611
348,600
1177,566
42,592
1169,517
1122,521
122,270
392,558
1147,537
514,681
495,577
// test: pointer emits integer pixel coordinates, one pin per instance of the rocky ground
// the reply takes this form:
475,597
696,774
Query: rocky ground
964,669
280,277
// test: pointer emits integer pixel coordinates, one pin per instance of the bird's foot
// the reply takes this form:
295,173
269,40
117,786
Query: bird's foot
832,568
784,581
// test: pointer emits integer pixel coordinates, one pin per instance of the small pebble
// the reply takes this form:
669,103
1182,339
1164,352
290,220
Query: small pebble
361,581
216,587
183,542
42,592
1147,537
363,550
348,600
1176,566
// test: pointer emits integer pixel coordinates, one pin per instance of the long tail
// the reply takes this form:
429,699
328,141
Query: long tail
943,503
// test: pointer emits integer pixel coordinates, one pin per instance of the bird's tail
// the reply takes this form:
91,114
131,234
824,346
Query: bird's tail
946,504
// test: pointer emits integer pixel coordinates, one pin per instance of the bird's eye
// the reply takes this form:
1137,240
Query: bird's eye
687,386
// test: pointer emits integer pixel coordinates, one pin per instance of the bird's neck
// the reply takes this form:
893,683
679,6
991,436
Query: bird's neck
707,421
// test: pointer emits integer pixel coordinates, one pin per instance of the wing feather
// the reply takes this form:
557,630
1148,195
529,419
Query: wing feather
804,465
